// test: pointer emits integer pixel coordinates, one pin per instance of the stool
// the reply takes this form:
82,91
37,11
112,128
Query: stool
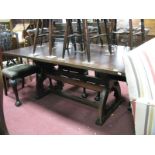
70,34
49,23
15,72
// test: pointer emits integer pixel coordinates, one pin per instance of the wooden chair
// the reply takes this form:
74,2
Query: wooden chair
15,71
75,35
82,34
131,35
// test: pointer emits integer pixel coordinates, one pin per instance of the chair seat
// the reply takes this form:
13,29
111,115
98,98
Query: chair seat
19,71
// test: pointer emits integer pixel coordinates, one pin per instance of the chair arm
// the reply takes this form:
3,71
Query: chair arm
143,111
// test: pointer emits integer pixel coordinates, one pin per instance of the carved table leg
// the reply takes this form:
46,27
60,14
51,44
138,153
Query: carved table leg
40,91
44,69
103,110
102,106
117,90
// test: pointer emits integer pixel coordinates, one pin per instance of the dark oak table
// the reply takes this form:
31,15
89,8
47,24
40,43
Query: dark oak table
108,68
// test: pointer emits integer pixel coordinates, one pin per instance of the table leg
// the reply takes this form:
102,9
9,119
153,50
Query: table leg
41,76
104,111
40,91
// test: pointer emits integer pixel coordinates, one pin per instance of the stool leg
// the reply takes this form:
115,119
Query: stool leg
99,31
65,39
14,86
107,35
130,34
86,39
35,38
51,38
143,30
80,32
42,25
67,46
114,29
71,32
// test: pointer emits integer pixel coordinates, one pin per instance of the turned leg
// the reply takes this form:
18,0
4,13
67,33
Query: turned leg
14,86
59,86
84,94
97,98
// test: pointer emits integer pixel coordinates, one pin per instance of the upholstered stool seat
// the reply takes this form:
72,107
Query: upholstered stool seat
18,71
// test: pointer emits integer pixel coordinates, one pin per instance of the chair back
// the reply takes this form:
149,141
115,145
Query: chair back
8,41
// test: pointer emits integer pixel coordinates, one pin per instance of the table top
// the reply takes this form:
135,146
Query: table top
101,60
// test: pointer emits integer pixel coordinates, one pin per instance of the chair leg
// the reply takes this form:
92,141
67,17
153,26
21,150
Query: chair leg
5,86
23,82
14,86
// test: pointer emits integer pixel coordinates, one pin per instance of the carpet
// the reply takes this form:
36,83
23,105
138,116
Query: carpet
55,115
